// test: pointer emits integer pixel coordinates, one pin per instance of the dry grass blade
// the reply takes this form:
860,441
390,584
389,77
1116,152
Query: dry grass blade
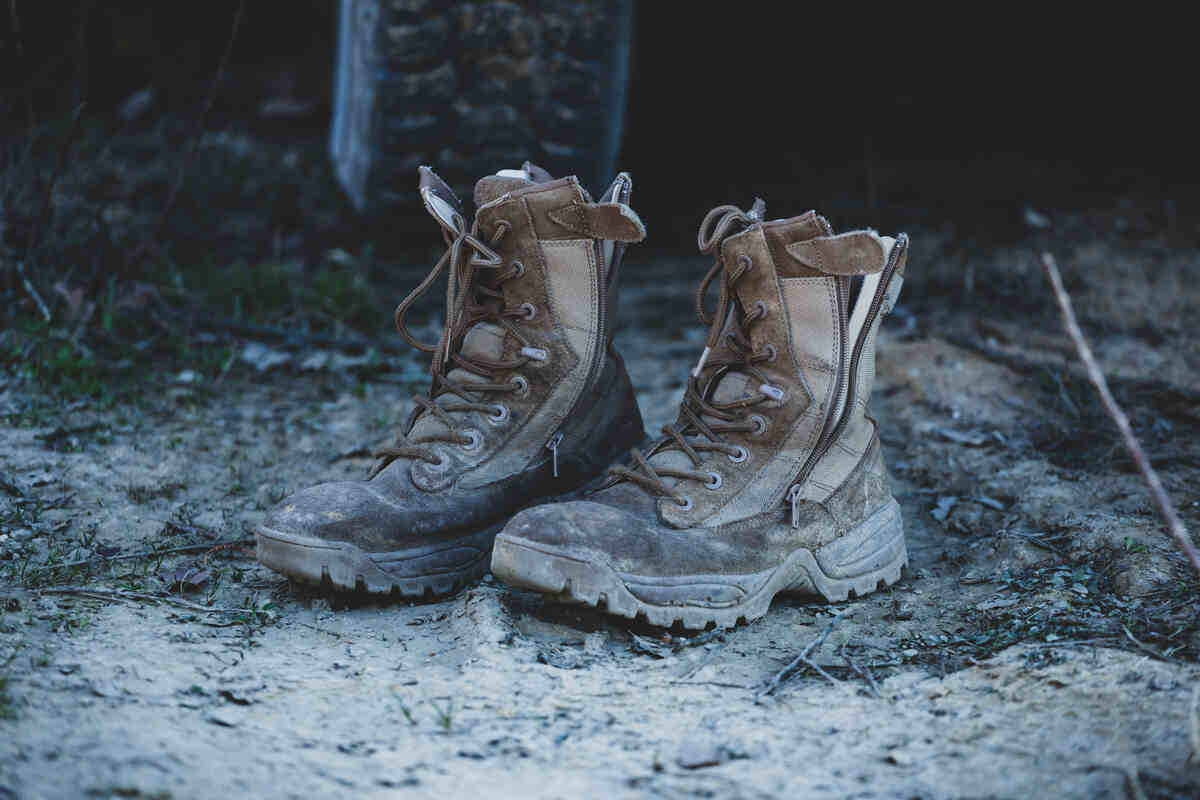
1162,502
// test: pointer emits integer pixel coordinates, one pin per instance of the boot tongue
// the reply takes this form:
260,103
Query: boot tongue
483,340
491,187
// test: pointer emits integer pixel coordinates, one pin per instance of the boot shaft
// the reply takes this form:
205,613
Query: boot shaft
798,276
560,253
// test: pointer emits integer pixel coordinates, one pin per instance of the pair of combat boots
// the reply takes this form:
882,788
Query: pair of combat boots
770,480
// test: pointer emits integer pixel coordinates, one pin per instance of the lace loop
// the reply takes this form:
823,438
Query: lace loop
702,422
469,301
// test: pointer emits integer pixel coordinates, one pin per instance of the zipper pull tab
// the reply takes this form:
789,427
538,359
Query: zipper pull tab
552,446
793,497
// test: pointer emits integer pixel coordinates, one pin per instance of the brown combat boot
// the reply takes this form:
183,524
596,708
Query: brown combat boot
529,399
771,479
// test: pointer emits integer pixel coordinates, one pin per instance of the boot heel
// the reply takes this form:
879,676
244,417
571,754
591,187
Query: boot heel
873,552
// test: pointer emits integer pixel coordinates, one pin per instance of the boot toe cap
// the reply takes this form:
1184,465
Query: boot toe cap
585,529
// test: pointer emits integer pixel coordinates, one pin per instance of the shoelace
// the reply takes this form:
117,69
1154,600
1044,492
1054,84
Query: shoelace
469,300
734,322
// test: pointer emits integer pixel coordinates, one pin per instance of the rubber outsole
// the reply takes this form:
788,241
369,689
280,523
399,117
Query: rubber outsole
872,555
342,567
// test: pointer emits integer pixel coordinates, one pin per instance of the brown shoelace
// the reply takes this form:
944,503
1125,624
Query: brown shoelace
732,321
470,299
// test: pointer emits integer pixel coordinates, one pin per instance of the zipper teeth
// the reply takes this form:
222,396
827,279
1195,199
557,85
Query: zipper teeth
839,381
827,441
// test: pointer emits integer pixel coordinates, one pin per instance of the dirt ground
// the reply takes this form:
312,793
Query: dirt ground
1044,641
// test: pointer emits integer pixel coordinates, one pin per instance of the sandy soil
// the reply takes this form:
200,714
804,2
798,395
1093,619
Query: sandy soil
1043,643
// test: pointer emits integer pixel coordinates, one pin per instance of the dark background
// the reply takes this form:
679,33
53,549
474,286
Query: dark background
884,119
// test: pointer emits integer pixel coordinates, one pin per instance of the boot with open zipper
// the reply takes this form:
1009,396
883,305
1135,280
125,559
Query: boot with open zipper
771,479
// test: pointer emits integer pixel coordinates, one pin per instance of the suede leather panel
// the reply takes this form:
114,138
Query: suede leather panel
541,199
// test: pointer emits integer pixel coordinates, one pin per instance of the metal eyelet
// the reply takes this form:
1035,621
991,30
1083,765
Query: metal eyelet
530,311
475,440
519,269
500,416
759,304
521,384
686,504
741,455
744,261
771,354
442,464
714,481
760,424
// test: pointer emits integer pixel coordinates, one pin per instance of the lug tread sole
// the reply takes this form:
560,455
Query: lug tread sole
341,567
580,579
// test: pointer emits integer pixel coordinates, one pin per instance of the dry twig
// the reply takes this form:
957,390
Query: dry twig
1162,502
862,672
802,659
122,594
190,548
33,292
1195,728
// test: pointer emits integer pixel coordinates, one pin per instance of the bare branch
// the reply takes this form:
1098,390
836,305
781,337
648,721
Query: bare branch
99,559
121,594
1162,502
804,659
33,292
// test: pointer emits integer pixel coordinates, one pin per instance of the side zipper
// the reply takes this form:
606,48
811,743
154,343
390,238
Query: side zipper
793,497
552,446
851,377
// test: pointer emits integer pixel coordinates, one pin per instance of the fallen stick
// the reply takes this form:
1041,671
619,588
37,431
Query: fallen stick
33,292
190,548
864,673
122,594
1194,730
803,658
1162,502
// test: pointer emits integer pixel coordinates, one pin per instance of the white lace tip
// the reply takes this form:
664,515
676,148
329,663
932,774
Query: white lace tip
700,364
536,353
773,392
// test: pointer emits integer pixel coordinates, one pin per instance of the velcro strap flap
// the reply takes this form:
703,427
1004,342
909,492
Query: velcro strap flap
614,222
853,253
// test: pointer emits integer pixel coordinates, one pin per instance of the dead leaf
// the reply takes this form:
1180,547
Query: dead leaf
945,504
185,579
